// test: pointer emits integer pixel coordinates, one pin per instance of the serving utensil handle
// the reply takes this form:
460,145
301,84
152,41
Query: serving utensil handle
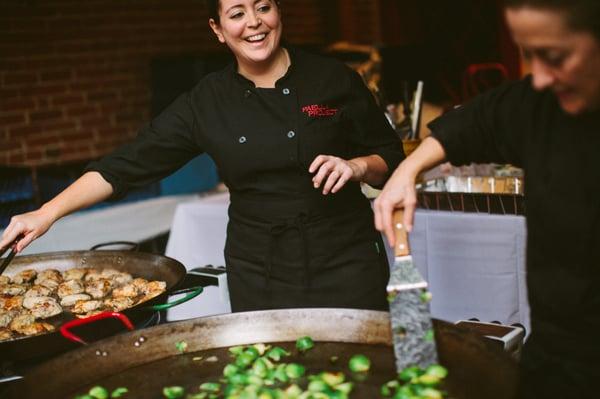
11,254
401,248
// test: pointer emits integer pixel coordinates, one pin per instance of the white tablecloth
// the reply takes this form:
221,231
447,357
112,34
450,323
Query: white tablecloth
135,222
475,263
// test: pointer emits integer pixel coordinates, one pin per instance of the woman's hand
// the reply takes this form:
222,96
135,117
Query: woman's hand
30,225
335,172
399,192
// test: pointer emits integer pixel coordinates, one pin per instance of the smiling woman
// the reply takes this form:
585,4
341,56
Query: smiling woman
293,135
252,31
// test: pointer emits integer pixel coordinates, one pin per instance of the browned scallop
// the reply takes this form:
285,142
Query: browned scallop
38,290
51,274
20,322
108,272
118,304
12,303
140,283
6,317
5,334
13,289
98,288
156,286
70,300
92,275
24,277
77,273
121,278
70,287
86,306
42,307
36,328
51,283
126,291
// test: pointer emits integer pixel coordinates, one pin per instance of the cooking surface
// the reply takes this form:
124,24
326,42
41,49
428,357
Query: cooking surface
477,368
147,381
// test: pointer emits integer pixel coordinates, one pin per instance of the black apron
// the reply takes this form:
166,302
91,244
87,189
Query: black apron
304,253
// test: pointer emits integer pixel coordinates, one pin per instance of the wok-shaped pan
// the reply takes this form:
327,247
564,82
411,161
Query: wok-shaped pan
146,360
138,264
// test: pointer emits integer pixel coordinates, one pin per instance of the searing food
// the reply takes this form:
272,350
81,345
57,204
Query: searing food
25,277
71,300
70,287
29,297
42,307
38,290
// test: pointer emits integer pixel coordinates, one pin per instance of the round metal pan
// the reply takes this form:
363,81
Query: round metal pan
145,361
138,264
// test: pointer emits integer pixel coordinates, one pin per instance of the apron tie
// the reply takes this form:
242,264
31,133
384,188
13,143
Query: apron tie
276,230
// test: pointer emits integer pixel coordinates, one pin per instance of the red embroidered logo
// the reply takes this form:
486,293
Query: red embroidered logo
319,110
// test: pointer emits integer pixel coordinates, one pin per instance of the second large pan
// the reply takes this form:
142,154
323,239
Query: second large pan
138,264
146,361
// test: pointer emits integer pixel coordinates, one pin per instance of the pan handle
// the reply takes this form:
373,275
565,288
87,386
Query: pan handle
194,292
64,329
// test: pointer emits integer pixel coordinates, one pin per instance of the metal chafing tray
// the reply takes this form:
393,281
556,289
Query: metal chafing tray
480,194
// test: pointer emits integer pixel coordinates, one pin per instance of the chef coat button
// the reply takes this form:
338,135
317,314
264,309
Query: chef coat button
247,93
291,134
242,139
286,91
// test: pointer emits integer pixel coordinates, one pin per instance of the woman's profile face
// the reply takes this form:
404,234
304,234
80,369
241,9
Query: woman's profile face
561,59
250,28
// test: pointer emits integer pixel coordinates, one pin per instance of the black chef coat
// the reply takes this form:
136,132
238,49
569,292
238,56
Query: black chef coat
288,245
560,155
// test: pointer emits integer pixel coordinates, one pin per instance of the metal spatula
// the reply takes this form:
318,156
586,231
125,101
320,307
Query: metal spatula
412,329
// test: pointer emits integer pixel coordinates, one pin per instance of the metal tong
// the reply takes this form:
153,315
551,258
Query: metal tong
11,254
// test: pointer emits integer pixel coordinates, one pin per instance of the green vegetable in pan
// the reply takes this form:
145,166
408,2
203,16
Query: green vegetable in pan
416,383
99,392
119,392
173,392
305,343
359,364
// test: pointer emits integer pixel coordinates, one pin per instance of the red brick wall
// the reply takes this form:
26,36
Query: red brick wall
74,75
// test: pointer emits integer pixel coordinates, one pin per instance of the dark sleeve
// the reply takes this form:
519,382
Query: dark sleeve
160,148
488,129
370,131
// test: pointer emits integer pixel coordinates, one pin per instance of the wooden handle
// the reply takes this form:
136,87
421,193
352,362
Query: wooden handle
401,248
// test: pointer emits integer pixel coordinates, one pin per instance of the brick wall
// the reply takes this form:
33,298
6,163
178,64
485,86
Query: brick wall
74,75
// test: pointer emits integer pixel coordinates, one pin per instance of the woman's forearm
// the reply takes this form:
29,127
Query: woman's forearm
428,154
372,169
88,190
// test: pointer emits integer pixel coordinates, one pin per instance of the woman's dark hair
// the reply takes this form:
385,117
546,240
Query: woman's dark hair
582,15
213,8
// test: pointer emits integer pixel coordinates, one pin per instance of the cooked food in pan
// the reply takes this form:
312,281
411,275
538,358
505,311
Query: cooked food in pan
30,297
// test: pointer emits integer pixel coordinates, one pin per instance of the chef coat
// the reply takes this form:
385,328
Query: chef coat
559,153
288,245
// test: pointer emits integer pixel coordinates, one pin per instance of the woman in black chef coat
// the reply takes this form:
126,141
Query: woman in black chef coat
549,124
293,135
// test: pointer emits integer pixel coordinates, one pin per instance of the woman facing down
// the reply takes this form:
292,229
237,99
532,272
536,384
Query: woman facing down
293,135
549,124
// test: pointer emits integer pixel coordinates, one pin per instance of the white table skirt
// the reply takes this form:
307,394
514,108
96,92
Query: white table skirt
475,263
